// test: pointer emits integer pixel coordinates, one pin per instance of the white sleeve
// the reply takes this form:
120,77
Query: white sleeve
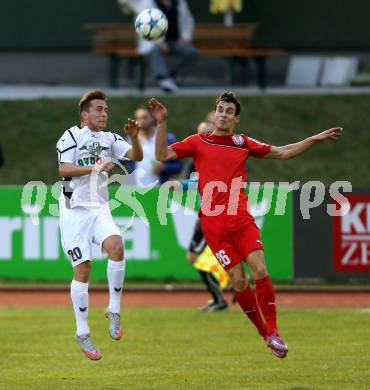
66,147
186,21
120,148
137,5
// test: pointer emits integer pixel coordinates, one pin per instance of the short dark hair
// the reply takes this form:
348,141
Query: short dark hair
86,99
229,97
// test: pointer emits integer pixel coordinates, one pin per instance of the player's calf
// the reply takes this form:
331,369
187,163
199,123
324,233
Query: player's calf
238,278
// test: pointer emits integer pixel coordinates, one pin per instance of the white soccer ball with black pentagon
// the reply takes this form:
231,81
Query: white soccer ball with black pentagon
151,24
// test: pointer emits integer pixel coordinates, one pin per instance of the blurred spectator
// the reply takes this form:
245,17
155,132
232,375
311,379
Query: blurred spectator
154,170
210,117
1,156
205,127
177,41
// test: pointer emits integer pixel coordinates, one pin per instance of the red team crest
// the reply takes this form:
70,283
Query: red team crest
351,237
238,139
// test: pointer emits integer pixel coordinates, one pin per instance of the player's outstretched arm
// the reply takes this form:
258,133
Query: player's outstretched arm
132,129
160,114
293,150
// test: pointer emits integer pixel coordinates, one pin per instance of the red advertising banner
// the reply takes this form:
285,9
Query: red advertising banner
351,236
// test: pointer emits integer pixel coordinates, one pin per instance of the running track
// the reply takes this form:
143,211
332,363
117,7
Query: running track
181,298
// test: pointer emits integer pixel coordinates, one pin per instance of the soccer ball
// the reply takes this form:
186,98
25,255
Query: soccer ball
151,24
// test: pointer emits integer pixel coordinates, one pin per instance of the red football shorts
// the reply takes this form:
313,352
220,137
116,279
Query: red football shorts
231,237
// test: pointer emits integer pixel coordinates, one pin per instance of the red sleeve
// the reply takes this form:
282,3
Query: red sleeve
256,148
185,148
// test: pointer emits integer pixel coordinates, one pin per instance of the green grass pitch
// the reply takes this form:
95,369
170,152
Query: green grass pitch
183,348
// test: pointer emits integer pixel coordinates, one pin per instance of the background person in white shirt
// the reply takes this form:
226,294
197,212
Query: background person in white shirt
85,156
155,171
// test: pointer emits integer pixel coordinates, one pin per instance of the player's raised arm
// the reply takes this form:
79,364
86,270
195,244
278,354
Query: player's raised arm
160,114
132,129
293,150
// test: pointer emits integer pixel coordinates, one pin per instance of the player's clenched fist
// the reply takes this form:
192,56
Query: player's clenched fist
103,165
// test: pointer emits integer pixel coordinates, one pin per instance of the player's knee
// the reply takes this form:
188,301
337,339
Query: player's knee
191,257
259,271
239,283
115,251
114,248
82,272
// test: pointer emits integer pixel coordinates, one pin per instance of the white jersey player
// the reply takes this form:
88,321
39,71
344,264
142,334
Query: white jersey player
84,147
86,154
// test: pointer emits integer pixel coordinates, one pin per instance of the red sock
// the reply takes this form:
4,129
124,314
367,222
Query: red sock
266,301
247,301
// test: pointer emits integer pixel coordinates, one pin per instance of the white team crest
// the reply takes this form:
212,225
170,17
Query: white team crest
238,140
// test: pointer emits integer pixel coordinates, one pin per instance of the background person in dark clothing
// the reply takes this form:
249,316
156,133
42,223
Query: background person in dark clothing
177,41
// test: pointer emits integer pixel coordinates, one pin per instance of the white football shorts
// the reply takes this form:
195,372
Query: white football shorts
81,227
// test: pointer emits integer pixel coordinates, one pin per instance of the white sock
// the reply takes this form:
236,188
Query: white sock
80,300
116,275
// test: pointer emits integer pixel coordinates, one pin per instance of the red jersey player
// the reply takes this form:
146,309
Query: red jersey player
228,227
